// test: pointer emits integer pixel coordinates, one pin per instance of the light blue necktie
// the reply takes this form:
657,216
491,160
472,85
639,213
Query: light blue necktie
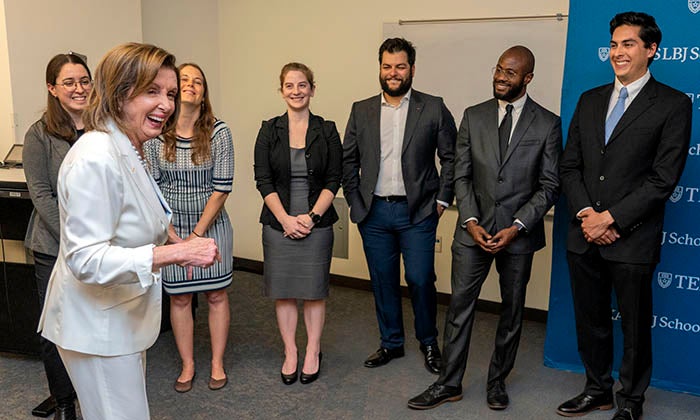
616,114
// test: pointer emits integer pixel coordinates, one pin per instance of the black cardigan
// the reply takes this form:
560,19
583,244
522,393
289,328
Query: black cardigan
324,155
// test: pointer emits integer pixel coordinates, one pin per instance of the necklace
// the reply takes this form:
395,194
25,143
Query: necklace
141,159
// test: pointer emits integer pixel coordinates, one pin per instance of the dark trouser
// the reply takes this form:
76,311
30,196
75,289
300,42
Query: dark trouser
592,280
387,233
470,267
60,385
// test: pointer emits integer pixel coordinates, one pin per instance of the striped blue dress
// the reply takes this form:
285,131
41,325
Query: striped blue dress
187,188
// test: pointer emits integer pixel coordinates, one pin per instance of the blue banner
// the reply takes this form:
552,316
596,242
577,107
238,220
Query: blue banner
676,288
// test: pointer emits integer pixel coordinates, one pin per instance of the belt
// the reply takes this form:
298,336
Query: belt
391,198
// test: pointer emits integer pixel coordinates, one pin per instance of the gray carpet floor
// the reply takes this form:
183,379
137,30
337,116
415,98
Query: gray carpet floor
345,389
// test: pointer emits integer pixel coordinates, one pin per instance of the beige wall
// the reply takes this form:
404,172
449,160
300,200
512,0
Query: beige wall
39,29
7,131
189,30
338,40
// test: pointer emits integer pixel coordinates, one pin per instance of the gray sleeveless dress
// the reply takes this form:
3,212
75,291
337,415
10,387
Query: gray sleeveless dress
297,268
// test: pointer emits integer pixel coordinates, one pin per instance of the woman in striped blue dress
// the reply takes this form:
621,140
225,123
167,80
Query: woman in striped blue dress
193,166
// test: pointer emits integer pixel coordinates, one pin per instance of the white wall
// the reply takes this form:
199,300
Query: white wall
39,29
339,41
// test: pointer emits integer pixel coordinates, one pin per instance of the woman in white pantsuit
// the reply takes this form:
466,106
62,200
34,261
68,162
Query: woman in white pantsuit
103,301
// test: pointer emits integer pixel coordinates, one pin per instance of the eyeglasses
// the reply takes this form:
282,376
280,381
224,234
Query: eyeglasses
508,73
73,84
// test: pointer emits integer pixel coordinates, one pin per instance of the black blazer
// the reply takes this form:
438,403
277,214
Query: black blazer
273,164
633,175
429,128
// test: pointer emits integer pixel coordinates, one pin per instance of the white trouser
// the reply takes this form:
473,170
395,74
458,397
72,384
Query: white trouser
109,388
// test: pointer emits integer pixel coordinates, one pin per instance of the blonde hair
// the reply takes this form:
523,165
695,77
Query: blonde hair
203,127
125,72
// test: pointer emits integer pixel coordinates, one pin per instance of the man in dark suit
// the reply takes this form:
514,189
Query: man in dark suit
628,142
506,179
396,196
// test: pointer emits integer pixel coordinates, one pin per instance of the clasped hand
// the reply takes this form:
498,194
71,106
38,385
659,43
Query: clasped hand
598,227
491,243
297,227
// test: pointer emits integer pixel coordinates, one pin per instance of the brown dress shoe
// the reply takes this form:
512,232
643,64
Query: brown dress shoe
184,386
215,384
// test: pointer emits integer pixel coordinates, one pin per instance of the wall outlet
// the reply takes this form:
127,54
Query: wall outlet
438,244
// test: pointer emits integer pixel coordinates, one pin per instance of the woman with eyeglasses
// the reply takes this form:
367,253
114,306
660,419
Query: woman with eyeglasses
193,166
46,143
103,301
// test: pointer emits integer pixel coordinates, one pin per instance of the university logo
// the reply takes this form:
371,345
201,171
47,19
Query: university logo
604,52
664,279
678,192
694,5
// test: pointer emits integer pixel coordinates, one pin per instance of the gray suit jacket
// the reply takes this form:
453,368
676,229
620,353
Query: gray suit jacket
524,186
429,128
42,156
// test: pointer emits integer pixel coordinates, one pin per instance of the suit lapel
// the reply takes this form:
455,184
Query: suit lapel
415,108
139,177
602,113
282,140
527,116
645,98
491,132
313,132
374,117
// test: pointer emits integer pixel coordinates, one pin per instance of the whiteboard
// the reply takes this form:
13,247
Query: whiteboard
454,60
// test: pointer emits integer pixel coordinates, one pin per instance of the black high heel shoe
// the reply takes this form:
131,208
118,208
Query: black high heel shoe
307,378
292,377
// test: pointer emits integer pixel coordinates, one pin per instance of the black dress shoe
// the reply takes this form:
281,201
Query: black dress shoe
307,378
433,358
627,414
291,378
496,396
65,412
584,404
435,395
383,356
46,407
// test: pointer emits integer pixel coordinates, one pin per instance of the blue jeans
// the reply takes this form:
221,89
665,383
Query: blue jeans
387,233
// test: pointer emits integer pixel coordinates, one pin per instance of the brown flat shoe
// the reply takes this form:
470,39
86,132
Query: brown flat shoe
215,384
184,386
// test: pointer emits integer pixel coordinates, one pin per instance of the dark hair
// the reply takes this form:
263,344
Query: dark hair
58,122
297,67
394,45
203,127
125,72
649,31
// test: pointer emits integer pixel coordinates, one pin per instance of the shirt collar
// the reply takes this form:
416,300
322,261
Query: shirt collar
406,98
517,105
634,87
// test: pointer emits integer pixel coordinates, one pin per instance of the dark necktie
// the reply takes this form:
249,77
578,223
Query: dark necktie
504,130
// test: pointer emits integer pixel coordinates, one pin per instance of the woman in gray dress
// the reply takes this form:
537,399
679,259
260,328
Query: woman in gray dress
298,165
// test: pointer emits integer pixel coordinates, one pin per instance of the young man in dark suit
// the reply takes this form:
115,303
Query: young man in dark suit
627,146
396,196
506,179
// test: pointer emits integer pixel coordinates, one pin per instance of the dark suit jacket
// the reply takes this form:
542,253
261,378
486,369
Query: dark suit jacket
273,164
523,186
633,176
429,128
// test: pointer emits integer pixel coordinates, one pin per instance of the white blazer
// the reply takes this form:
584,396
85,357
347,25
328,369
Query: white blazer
102,298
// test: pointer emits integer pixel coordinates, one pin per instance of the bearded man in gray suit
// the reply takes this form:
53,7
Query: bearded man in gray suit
506,179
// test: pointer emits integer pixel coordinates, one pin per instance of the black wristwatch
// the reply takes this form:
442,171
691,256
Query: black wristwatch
316,218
